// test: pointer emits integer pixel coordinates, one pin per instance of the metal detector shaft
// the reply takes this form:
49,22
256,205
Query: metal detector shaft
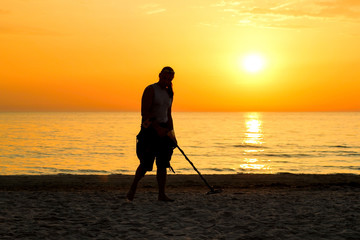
207,184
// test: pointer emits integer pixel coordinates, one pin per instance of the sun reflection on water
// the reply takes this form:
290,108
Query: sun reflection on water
253,134
253,140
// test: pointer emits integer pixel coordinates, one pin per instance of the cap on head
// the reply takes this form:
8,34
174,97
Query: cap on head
167,70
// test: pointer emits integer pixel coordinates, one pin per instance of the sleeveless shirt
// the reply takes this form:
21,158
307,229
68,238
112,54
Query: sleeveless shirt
161,104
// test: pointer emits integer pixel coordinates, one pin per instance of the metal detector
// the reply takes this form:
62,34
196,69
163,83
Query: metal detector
212,190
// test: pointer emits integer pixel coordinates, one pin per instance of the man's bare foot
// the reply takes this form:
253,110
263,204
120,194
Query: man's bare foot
130,195
165,199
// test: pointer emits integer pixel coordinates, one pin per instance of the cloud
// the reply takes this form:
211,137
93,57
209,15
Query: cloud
156,11
347,3
226,4
304,8
344,8
288,14
152,8
280,12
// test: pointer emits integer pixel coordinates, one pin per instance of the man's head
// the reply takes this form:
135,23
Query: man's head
166,76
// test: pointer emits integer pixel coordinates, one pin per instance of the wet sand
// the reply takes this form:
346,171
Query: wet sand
280,206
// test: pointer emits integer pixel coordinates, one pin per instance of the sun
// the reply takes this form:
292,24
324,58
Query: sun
253,63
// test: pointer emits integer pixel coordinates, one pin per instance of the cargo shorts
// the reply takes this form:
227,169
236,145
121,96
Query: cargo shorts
150,146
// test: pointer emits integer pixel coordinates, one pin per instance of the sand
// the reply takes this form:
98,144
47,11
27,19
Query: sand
280,206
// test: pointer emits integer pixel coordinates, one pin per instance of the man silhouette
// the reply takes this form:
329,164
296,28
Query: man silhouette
156,139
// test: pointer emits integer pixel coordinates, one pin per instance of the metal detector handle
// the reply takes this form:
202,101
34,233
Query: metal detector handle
207,184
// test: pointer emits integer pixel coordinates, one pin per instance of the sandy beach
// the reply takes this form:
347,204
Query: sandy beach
279,206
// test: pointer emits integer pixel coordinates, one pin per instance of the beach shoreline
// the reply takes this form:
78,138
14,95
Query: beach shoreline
251,206
192,181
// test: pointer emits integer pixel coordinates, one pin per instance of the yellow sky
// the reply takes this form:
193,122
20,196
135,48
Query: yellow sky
96,55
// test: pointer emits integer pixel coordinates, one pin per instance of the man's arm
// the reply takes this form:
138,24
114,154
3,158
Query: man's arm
170,120
170,124
146,103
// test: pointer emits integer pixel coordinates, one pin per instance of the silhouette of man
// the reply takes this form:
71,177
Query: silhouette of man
156,139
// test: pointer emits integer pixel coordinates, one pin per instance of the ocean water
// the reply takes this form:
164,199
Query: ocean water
217,143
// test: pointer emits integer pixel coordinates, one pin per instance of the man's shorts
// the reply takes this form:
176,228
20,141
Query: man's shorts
150,146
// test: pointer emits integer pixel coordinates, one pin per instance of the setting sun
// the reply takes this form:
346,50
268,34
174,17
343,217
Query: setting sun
253,63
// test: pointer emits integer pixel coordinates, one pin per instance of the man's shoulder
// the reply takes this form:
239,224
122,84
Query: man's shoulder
150,88
151,85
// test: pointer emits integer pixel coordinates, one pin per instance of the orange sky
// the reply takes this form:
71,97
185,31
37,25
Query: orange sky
96,55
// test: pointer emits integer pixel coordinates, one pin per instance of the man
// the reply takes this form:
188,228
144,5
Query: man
156,139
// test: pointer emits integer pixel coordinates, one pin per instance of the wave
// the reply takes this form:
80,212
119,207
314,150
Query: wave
354,167
195,146
247,146
340,146
344,167
285,155
220,169
349,154
207,169
92,171
65,171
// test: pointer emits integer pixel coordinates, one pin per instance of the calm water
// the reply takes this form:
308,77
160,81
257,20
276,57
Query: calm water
217,143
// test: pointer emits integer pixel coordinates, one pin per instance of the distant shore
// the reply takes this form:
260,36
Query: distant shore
227,181
251,206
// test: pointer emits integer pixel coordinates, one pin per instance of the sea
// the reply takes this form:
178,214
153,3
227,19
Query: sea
43,143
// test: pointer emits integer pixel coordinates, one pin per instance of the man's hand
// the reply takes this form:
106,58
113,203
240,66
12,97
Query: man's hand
171,135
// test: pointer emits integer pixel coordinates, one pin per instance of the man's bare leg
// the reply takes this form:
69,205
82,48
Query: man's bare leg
161,178
140,173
